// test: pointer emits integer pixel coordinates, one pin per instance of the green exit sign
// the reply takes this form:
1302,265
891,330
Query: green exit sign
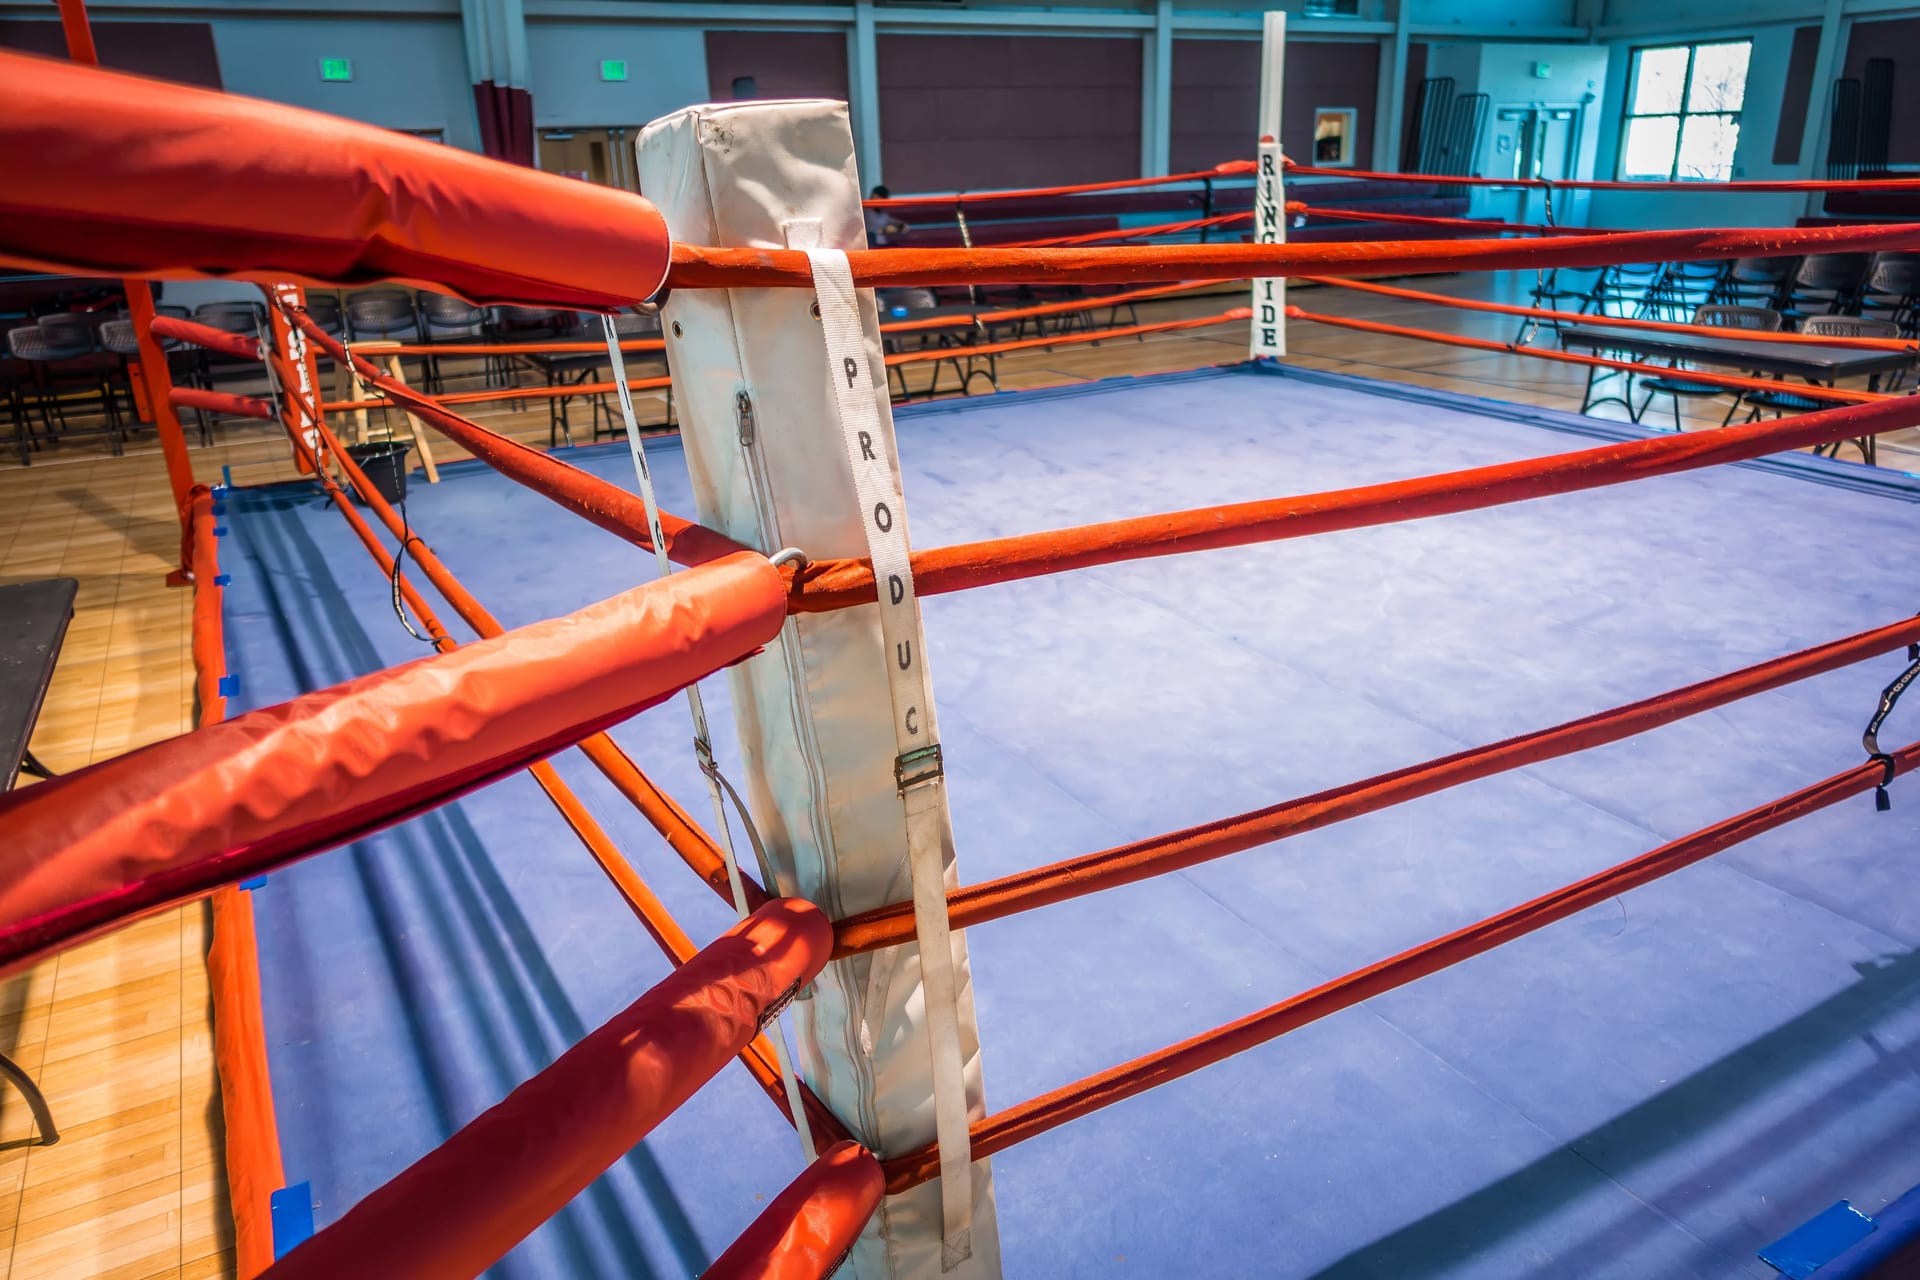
613,69
336,68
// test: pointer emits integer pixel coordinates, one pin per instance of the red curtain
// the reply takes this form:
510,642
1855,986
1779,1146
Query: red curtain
506,121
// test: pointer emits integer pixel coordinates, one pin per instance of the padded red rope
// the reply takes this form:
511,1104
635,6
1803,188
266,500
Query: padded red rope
681,833
227,402
117,175
459,1209
90,850
808,1230
704,267
1050,1110
227,343
1144,859
252,1149
826,585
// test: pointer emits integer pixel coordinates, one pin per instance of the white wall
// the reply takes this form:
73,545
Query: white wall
666,66
408,73
1753,158
1504,72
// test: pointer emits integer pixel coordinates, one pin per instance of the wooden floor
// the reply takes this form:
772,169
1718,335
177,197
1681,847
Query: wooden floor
118,1031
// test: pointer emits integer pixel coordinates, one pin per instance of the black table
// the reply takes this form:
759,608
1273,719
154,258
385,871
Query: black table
1815,364
1780,359
33,625
584,369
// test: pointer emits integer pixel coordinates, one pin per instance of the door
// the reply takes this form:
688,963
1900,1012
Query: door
592,153
1540,141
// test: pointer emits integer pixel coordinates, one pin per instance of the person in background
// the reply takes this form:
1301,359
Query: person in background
882,226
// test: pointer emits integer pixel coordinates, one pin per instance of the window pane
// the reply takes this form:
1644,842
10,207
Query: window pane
1706,147
1659,77
1650,146
1719,77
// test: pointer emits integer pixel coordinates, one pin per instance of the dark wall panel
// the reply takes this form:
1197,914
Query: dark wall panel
1407,160
782,64
1216,87
169,50
1898,40
1008,111
1797,95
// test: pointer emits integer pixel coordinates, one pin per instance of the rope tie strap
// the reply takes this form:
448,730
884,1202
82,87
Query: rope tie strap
1532,325
1889,699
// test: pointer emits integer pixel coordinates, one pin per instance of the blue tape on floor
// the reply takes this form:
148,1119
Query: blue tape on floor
292,1211
1818,1241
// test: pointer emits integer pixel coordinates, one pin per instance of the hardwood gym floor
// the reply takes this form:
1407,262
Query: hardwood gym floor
118,1032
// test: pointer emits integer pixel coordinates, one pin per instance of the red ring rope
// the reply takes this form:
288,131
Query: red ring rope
1050,1110
704,267
1786,337
837,584
1748,186
1725,381
1160,855
1232,168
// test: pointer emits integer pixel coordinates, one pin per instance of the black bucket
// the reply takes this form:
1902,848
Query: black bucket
385,462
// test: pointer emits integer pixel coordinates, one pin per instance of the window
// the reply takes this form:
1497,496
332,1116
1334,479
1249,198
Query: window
1683,112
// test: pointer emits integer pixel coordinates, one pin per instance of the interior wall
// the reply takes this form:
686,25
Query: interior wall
1008,111
182,51
408,73
666,70
1760,120
782,64
1216,92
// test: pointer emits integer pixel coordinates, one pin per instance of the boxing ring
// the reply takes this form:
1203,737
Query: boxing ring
1603,965
1736,1006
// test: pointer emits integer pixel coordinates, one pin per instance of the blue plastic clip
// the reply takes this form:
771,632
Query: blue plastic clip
229,686
291,1209
226,477
219,531
258,882
222,579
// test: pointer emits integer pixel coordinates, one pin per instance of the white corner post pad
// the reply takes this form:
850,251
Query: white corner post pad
851,808
1269,337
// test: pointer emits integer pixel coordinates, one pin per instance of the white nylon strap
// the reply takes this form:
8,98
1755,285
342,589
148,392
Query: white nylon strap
883,517
702,740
